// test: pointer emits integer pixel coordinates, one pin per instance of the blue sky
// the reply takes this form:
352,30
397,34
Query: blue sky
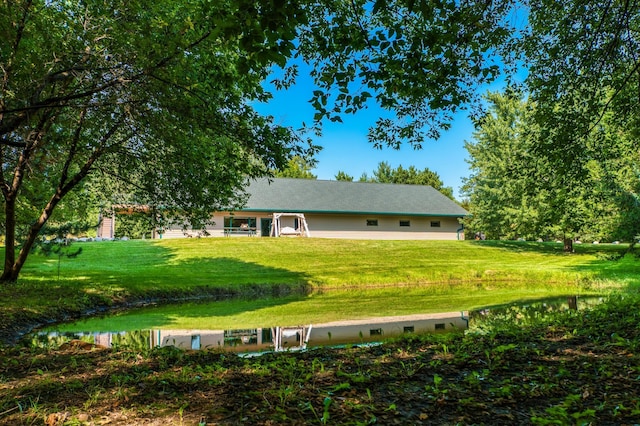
345,145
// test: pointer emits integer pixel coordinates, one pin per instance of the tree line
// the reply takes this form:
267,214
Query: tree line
519,188
300,168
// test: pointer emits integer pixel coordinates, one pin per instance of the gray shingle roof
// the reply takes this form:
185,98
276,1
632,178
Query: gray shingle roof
327,196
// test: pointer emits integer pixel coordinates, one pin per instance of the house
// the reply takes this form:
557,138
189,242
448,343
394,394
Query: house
338,209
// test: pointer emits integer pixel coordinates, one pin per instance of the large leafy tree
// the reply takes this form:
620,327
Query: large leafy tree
515,191
152,94
502,171
583,64
422,61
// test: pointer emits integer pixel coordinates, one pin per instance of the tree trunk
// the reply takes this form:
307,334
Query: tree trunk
13,265
9,240
568,245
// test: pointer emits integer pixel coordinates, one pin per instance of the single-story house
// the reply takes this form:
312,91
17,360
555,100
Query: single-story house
338,209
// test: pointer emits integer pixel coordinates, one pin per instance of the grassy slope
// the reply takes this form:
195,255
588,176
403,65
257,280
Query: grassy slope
112,272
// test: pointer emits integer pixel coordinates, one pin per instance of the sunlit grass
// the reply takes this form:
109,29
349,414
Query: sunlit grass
323,263
399,276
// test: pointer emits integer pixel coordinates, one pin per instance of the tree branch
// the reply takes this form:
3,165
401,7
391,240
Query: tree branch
14,144
619,89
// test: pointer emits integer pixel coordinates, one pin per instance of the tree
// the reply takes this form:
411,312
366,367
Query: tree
501,168
364,177
517,192
154,95
582,60
411,176
420,61
342,176
298,168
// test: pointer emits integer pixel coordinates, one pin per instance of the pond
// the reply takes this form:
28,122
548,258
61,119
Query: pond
154,330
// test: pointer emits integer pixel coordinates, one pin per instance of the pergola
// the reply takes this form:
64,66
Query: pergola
277,230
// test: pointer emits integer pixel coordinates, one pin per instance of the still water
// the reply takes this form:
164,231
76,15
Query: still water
297,337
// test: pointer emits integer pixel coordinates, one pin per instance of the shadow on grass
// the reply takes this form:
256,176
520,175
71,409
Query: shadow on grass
551,247
522,246
109,276
605,266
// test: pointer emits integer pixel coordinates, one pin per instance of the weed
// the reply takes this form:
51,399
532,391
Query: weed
341,386
564,413
409,369
434,390
475,378
94,397
326,403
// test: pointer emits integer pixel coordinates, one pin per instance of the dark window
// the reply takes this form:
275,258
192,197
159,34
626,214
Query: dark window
234,222
405,223
435,224
375,332
440,326
409,329
267,335
372,222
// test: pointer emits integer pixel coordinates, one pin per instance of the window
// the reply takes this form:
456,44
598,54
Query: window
267,335
372,222
440,326
243,223
195,342
409,329
435,224
375,332
405,223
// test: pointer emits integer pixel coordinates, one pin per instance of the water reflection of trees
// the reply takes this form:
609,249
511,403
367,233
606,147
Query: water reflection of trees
524,314
138,340
55,340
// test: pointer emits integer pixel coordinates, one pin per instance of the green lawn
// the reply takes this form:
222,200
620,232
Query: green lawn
398,276
188,263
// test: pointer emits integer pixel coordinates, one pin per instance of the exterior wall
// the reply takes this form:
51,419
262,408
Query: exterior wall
343,226
217,228
388,227
106,226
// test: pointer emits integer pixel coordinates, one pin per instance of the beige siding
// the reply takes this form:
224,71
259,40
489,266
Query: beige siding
106,227
346,226
388,227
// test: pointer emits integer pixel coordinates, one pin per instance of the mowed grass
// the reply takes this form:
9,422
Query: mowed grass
321,263
126,270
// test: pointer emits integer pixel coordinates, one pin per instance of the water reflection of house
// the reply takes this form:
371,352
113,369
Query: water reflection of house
299,337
